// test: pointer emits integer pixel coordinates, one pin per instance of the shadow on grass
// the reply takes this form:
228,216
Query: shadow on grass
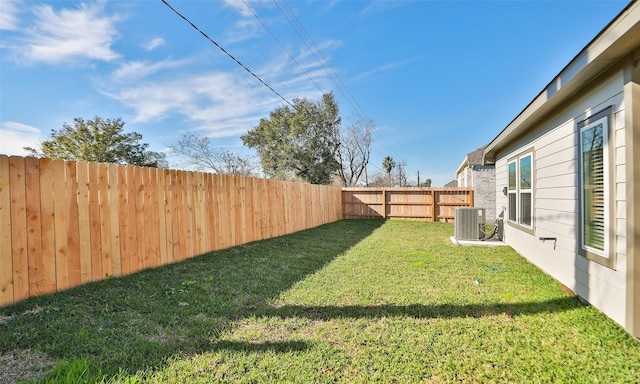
137,322
426,311
277,346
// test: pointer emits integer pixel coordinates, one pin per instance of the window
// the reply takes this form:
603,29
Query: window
595,187
526,204
520,190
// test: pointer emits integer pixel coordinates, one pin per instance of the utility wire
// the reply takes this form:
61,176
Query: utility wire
306,73
282,45
333,75
227,53
304,41
333,71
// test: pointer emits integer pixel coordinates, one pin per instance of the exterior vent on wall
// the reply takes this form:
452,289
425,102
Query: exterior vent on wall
469,222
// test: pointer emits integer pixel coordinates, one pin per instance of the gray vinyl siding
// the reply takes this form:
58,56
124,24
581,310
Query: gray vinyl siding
557,200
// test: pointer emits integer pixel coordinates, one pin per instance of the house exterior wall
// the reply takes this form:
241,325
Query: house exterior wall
464,177
556,197
483,181
484,186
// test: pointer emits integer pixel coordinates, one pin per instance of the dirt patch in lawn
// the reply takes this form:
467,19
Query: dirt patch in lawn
16,366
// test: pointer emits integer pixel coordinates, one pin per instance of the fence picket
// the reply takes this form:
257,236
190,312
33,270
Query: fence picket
182,215
6,262
105,221
152,215
114,219
123,222
138,195
19,227
73,217
61,226
34,226
175,217
132,220
46,260
94,222
163,202
84,222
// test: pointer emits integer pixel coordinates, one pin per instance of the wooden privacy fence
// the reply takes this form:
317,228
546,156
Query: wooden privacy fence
411,203
65,223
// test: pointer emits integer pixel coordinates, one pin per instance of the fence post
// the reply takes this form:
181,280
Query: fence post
434,217
384,203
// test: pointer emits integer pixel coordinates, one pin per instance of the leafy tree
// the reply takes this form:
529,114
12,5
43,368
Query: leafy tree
99,140
200,152
388,164
299,142
354,151
427,183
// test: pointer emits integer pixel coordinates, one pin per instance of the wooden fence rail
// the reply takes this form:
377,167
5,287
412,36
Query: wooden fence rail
66,223
411,203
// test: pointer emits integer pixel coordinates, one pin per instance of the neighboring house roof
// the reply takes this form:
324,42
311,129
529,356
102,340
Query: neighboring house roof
475,157
615,41
472,158
451,184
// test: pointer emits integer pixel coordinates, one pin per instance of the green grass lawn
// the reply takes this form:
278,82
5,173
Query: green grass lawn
353,301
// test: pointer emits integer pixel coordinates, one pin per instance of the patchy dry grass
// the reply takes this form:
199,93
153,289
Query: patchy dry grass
24,365
353,301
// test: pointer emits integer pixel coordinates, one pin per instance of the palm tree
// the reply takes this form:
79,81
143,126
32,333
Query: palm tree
388,164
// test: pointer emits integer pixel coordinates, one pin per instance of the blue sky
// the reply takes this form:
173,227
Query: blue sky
438,78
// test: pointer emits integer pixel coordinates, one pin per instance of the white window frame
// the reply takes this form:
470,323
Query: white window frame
606,185
516,218
512,192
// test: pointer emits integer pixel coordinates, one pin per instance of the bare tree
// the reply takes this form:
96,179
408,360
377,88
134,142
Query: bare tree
354,151
199,151
379,179
402,173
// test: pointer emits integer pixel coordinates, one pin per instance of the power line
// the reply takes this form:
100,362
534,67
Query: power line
333,71
255,14
333,75
282,45
227,53
324,63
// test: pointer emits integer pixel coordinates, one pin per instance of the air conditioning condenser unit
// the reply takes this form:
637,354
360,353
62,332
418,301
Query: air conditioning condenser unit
469,223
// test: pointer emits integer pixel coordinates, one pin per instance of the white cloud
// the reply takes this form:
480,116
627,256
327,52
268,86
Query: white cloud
383,68
239,6
376,6
14,136
68,34
137,70
248,26
9,15
221,104
216,102
154,43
